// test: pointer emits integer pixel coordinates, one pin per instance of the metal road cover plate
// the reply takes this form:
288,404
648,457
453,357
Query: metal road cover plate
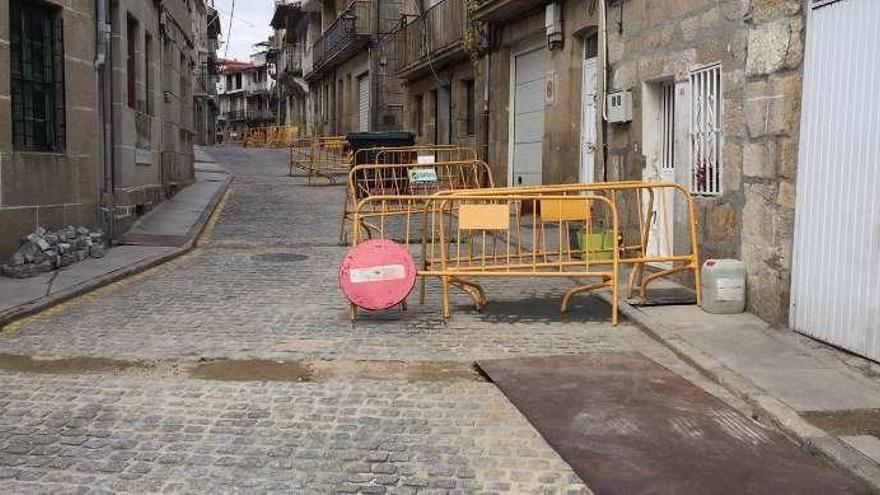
628,426
377,274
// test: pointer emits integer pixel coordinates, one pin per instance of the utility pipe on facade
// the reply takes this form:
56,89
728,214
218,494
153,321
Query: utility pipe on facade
484,134
104,124
373,78
603,92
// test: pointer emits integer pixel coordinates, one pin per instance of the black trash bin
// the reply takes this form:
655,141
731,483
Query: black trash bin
388,139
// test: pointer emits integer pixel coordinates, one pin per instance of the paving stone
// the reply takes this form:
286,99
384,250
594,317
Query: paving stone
136,432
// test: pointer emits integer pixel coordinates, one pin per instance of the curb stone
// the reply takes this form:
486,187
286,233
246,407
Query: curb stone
61,296
767,408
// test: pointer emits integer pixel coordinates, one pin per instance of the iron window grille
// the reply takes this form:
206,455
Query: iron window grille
705,131
36,76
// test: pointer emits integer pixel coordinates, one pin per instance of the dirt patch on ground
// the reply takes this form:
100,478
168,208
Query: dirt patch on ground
249,370
845,423
312,371
420,371
27,364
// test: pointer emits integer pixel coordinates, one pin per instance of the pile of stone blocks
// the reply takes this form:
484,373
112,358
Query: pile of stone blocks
46,250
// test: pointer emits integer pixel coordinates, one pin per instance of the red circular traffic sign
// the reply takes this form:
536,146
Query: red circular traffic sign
377,274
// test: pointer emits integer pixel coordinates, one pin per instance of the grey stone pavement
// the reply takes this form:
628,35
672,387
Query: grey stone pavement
104,393
160,235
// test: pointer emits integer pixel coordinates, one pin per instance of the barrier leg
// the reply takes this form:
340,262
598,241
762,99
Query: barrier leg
445,283
370,228
637,273
661,274
475,291
422,290
566,299
342,223
614,302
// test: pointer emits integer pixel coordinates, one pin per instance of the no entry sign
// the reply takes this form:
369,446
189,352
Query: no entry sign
377,274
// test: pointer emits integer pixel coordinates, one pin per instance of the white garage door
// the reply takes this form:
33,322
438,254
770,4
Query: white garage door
364,103
528,117
835,290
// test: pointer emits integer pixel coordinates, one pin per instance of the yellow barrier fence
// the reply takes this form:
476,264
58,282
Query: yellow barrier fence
467,236
321,157
269,137
435,153
645,242
411,182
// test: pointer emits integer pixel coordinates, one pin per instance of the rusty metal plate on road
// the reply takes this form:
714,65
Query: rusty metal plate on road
626,425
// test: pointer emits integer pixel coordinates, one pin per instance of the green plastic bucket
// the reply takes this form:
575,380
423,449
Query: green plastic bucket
597,245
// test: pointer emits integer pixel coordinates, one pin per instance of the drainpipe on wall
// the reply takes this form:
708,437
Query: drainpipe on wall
603,50
484,132
161,111
104,122
375,53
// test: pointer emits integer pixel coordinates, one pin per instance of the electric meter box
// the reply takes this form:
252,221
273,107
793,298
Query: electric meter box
619,106
723,286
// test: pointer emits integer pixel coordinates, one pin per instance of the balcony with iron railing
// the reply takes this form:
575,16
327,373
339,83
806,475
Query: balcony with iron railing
234,115
255,87
308,61
435,38
293,59
250,115
259,116
505,10
205,82
347,34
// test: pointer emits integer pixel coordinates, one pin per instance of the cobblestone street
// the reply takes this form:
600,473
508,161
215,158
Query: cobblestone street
235,369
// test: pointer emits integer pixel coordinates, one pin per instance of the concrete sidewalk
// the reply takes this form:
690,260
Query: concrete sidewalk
168,231
818,395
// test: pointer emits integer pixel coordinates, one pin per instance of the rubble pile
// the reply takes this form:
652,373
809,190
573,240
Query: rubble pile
46,250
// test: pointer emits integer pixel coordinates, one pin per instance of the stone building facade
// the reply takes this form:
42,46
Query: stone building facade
351,86
246,96
98,129
49,172
206,33
150,99
291,33
541,71
437,73
754,53
535,116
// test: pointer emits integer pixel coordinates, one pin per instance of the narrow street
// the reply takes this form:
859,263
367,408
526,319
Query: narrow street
439,247
235,368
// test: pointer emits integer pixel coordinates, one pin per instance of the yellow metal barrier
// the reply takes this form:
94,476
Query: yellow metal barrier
516,235
414,154
326,157
269,137
410,182
645,236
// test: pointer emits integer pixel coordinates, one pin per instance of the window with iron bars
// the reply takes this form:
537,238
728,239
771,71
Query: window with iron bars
37,76
705,131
